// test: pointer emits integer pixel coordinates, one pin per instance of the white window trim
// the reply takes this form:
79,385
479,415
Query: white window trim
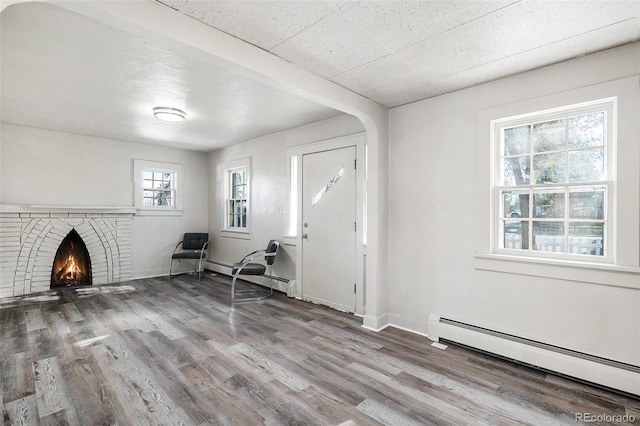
139,166
226,169
609,106
625,271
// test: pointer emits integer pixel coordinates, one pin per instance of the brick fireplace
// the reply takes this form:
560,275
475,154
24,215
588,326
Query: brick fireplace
31,235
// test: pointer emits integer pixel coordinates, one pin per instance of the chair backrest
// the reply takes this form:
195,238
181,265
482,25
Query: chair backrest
194,241
272,247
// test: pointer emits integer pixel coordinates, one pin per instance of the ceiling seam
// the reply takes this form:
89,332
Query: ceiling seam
302,30
448,30
394,53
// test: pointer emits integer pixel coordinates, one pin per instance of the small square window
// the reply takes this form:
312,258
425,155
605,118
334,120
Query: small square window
158,187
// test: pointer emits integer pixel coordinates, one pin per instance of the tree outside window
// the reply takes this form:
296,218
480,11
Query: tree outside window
159,188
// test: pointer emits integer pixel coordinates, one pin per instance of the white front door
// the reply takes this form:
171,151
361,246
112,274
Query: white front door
328,228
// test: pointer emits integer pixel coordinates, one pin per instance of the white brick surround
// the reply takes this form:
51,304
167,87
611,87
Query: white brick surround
30,237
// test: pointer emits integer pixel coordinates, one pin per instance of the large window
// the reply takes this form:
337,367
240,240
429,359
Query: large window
236,190
553,183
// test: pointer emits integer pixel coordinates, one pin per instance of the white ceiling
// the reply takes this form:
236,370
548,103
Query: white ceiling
396,52
63,71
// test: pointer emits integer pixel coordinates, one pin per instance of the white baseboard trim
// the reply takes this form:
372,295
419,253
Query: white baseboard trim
376,324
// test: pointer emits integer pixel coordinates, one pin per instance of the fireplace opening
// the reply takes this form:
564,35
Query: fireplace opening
72,265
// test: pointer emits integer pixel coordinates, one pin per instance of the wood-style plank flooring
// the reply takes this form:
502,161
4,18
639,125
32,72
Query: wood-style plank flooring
160,352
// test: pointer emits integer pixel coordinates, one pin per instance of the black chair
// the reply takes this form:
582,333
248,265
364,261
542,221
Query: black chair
194,246
247,267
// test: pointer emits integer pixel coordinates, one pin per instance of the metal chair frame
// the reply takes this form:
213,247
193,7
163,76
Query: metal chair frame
197,255
247,260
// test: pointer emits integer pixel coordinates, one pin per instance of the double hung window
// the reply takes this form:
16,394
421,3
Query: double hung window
237,182
237,201
553,183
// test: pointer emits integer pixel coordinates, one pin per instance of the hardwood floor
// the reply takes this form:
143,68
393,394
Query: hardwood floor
155,351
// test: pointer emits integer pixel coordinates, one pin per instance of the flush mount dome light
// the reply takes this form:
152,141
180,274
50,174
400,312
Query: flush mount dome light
169,114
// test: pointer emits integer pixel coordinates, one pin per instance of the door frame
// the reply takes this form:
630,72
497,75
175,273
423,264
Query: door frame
359,141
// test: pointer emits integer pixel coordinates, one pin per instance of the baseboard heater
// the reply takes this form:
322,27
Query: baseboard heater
612,374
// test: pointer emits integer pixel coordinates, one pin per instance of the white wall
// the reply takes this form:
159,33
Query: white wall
435,198
49,168
268,194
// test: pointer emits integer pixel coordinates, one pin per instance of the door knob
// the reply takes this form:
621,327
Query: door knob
304,235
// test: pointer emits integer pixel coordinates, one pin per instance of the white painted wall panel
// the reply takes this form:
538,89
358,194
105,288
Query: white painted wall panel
435,200
49,168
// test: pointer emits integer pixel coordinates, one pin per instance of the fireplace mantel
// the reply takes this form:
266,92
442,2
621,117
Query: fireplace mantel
44,208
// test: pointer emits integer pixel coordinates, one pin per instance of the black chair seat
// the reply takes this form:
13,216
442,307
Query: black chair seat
249,269
187,255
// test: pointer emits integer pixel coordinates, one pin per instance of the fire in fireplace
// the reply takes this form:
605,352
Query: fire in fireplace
72,265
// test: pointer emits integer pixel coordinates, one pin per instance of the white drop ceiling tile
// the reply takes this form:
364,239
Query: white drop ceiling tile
439,58
512,30
401,24
262,23
491,71
556,20
409,95
330,47
380,77
604,38
342,4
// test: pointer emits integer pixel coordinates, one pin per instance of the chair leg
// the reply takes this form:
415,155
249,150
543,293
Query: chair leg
198,270
270,282
233,290
254,291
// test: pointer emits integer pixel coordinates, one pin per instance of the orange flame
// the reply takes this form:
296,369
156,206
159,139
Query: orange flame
70,270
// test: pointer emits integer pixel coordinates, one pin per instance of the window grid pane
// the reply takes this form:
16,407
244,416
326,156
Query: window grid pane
158,188
549,136
237,199
586,130
565,152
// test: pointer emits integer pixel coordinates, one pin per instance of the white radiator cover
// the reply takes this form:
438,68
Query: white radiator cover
602,373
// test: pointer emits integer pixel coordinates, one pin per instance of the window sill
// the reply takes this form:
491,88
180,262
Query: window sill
603,274
158,212
241,235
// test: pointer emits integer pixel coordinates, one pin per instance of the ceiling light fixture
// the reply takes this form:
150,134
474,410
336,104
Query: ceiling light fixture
169,114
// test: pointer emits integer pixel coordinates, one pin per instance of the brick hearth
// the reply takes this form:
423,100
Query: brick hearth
30,237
